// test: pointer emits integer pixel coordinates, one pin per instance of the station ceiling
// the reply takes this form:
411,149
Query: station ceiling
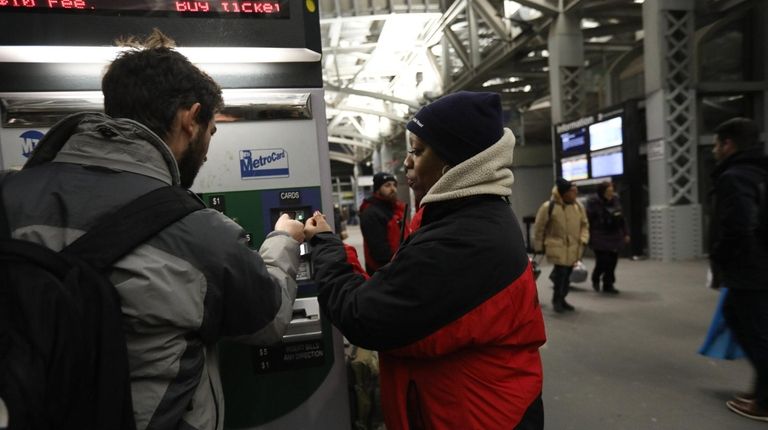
382,59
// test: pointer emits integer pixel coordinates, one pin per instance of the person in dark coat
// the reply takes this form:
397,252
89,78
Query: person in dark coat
455,315
607,235
382,222
739,250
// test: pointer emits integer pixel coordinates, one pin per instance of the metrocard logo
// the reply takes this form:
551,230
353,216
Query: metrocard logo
29,140
263,163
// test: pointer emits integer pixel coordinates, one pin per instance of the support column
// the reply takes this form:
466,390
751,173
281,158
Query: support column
674,213
355,190
566,67
376,159
386,157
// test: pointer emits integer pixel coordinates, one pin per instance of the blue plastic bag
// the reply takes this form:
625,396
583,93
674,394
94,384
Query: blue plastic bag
720,342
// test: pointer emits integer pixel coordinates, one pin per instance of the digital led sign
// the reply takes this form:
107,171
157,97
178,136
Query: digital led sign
217,8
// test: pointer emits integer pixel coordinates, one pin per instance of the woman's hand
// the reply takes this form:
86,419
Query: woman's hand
316,224
294,228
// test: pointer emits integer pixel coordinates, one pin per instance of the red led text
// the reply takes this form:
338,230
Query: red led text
66,4
192,6
250,7
18,3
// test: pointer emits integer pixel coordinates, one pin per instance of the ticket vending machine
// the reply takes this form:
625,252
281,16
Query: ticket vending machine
268,157
258,169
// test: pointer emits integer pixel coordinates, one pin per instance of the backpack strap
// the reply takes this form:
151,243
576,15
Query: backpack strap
120,232
550,209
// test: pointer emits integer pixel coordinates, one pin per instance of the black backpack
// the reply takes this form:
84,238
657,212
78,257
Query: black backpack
63,359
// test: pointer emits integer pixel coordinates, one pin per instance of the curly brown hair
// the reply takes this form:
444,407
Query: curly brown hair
151,81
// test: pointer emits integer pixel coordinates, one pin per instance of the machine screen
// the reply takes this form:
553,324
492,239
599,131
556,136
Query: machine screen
209,8
298,215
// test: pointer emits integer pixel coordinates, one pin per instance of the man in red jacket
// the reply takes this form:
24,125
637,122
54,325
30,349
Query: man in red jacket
382,222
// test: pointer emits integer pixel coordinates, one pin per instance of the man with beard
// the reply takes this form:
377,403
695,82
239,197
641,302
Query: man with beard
382,222
193,283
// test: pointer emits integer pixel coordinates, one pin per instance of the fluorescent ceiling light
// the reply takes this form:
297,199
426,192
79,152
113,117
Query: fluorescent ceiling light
589,23
105,54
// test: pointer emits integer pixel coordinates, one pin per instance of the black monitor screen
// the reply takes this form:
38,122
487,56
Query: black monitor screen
605,134
607,163
575,168
574,140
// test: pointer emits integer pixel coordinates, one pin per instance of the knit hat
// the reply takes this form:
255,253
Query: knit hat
382,178
460,125
563,185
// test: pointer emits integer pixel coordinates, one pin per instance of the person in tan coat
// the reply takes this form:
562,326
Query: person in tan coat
561,231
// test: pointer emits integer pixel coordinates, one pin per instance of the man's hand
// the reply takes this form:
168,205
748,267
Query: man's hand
316,224
294,228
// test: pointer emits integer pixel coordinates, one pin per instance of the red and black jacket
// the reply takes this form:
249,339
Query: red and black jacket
455,317
382,223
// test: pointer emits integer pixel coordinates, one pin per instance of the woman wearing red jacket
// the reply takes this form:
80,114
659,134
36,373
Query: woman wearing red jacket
455,315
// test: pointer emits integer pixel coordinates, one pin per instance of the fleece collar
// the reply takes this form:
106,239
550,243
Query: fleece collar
488,172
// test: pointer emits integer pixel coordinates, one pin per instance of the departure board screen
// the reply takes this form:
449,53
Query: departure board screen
189,8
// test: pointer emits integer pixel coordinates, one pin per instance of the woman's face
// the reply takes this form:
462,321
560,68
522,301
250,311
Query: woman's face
423,166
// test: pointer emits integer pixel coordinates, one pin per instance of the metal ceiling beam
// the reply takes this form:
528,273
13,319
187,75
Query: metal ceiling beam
543,6
458,48
435,33
573,4
497,56
354,136
356,125
342,158
350,142
372,95
490,16
339,109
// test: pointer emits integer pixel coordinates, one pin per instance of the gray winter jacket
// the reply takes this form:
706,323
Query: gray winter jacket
192,284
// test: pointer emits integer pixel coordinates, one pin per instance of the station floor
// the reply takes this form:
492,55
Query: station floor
629,362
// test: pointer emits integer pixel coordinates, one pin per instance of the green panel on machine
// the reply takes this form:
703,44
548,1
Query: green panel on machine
254,398
263,383
244,208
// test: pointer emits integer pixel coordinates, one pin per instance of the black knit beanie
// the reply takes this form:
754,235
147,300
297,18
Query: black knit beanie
563,185
382,178
460,125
